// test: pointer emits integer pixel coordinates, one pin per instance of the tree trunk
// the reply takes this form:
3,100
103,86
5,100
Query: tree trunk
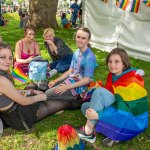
42,13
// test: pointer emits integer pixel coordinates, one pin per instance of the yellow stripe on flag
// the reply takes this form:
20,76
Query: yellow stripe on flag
131,92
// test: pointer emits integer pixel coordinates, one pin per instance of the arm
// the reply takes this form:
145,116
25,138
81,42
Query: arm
62,77
52,46
18,54
7,88
63,87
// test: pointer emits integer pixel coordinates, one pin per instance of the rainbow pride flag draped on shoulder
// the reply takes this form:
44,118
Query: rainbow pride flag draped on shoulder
128,116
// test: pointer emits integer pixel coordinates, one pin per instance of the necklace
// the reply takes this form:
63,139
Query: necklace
28,47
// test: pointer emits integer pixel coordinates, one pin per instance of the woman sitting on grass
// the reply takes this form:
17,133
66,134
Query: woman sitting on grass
18,109
59,52
121,108
26,49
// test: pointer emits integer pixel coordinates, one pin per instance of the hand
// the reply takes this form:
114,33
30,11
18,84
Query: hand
61,89
51,83
29,59
91,114
49,42
38,92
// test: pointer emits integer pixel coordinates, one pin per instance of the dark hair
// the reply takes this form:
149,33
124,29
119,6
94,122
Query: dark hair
124,57
63,15
85,29
4,45
27,29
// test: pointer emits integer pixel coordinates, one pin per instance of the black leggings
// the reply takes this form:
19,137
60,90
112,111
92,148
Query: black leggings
47,108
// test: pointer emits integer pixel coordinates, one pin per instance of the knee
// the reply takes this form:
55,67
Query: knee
49,93
99,91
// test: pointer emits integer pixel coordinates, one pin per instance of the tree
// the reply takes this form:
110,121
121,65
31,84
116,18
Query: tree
42,13
8,2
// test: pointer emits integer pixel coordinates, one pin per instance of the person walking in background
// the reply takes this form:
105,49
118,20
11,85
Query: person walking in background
74,13
21,20
25,20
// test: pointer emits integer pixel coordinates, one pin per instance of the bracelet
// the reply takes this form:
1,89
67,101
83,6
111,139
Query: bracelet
31,92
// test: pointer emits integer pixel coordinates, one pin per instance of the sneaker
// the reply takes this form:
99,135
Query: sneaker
42,85
90,138
107,142
51,73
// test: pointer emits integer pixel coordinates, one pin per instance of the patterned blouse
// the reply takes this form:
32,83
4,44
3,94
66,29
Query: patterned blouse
62,48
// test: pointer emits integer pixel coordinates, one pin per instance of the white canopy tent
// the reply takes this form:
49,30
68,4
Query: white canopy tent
113,27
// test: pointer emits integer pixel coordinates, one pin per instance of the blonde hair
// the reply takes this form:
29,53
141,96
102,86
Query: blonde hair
50,30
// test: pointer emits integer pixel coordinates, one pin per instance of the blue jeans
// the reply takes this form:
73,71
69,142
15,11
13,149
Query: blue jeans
101,99
62,64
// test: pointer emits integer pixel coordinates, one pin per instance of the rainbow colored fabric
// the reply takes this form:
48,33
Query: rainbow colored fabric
128,116
68,139
19,75
91,88
147,2
128,5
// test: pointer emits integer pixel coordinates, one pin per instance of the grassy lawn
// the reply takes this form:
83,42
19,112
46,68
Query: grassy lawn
43,134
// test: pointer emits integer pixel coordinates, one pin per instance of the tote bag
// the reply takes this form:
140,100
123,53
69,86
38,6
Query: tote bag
37,70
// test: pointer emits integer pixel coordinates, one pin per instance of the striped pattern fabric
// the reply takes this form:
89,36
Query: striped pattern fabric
68,139
19,75
128,5
128,116
147,2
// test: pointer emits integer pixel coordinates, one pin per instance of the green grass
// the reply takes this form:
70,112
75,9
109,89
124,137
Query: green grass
43,134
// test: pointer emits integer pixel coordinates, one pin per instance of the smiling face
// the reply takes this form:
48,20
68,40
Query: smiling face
82,40
6,59
115,64
49,36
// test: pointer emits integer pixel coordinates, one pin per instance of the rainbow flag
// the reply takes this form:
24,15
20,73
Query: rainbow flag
128,5
147,2
86,96
68,139
19,75
128,116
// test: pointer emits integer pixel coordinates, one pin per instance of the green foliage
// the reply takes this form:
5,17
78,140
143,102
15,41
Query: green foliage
20,1
43,134
8,2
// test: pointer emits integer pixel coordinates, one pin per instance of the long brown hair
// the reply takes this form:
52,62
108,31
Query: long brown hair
6,73
27,29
